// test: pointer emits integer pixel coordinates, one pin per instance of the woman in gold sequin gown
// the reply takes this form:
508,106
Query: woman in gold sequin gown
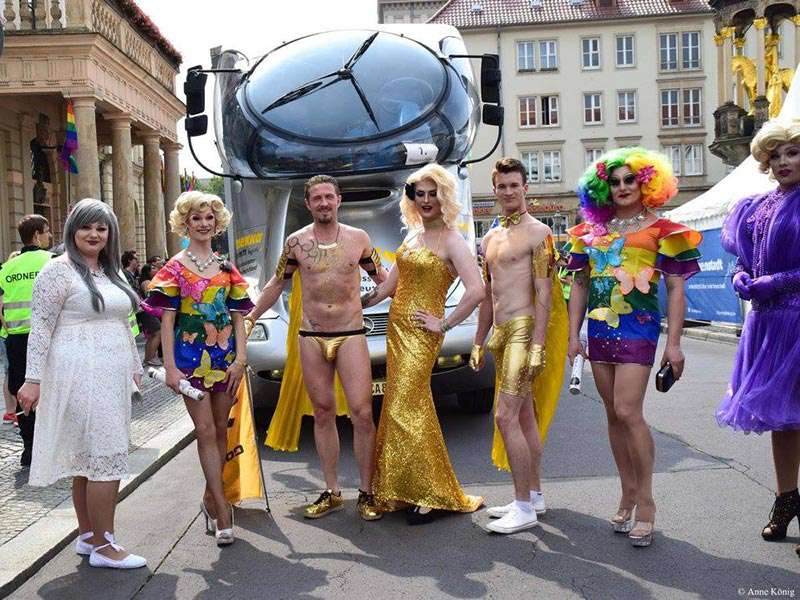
412,466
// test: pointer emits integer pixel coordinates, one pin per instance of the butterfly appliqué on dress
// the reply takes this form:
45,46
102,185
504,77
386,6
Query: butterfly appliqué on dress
605,258
210,376
215,310
640,280
610,314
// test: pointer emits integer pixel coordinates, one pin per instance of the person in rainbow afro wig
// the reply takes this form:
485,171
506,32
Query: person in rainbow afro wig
619,254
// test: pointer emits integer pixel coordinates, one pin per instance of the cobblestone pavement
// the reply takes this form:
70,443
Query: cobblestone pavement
22,505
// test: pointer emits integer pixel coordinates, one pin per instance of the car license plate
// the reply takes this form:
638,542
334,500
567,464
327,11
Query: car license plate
378,388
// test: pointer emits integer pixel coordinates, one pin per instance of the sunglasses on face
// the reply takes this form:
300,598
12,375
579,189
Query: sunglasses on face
629,179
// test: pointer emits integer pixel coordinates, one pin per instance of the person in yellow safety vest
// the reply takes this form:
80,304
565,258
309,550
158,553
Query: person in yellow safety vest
16,290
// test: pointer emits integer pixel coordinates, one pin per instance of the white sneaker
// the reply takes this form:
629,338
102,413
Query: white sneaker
83,547
132,561
499,511
538,503
515,520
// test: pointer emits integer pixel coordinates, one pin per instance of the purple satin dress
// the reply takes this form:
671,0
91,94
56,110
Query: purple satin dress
764,392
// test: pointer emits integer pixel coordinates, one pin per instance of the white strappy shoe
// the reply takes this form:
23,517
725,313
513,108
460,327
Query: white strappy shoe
225,537
132,561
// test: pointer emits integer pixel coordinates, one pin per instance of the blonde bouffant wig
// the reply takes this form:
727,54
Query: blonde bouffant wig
189,202
771,135
445,193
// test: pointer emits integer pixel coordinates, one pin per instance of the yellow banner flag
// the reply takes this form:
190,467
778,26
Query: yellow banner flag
241,476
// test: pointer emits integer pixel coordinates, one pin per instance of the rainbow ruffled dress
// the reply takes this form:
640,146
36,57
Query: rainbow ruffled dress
624,315
204,342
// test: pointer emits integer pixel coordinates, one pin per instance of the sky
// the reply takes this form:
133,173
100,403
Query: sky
250,26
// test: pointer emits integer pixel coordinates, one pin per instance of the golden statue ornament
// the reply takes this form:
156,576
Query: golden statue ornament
745,68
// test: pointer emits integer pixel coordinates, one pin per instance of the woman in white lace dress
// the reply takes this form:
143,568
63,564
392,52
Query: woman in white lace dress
82,365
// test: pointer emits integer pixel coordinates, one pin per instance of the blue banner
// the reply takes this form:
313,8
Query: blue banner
709,294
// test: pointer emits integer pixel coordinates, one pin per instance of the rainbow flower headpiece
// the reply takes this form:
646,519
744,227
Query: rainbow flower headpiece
653,172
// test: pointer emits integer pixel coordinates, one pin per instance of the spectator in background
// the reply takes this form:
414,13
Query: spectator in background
148,323
156,262
130,267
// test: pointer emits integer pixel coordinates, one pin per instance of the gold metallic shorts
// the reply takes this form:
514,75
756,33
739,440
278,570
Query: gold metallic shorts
511,343
330,341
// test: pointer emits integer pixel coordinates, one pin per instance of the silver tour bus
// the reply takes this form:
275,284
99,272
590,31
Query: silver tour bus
368,107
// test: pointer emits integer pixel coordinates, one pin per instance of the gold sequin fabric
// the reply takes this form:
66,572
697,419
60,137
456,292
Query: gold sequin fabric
412,464
510,343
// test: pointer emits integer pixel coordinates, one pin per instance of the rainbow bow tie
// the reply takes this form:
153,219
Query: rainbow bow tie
512,219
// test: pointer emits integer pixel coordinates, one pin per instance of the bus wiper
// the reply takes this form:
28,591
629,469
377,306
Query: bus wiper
364,101
303,90
360,52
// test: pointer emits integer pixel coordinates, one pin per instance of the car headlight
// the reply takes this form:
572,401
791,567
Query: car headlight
259,333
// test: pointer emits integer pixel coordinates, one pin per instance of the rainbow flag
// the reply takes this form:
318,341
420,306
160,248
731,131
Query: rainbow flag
70,142
188,182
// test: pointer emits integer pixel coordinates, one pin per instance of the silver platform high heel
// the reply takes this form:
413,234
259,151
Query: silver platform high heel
641,535
211,524
623,520
225,537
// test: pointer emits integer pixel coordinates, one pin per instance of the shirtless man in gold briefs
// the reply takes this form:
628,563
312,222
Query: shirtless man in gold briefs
519,251
329,256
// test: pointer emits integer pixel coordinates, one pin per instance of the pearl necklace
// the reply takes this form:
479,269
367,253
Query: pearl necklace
98,273
636,221
201,265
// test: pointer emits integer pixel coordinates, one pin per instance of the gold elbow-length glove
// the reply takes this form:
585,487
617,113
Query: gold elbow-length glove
476,357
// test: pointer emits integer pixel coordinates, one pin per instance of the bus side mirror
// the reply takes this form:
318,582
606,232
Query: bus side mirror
196,126
492,115
490,79
195,90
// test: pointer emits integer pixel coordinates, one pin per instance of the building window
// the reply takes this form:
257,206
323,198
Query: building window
674,154
549,110
625,52
669,108
690,40
691,106
693,159
526,60
592,109
527,111
592,155
551,165
590,53
626,106
668,44
531,162
548,56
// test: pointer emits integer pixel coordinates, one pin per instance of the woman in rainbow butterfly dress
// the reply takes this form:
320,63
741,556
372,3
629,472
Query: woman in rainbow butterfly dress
201,300
619,253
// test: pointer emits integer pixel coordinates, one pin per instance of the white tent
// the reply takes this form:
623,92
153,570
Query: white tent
708,210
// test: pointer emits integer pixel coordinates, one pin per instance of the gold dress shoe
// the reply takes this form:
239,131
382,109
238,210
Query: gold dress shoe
327,502
366,506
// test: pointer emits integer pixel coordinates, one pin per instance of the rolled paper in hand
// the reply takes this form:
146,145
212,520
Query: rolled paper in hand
577,375
185,387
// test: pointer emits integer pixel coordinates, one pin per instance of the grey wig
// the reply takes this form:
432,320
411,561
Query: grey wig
86,212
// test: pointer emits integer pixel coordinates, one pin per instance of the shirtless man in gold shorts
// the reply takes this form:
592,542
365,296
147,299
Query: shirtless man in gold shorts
329,256
519,251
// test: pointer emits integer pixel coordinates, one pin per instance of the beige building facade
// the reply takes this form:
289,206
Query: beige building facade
580,79
392,11
108,59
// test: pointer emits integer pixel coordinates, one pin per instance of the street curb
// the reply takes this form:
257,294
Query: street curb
36,545
701,333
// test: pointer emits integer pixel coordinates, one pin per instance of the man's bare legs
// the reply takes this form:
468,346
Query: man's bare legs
530,429
318,375
353,366
507,416
604,380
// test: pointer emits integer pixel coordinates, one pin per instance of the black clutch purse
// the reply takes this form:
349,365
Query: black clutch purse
665,378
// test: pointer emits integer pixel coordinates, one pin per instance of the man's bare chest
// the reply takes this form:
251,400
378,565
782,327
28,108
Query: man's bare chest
339,259
505,253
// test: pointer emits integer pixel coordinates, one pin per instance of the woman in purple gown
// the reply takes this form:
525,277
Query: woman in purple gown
763,231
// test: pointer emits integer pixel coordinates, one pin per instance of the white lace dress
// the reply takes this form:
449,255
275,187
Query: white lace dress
85,362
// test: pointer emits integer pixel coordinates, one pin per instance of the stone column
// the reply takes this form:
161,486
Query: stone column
27,131
796,21
172,191
121,156
761,40
86,154
719,40
155,233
